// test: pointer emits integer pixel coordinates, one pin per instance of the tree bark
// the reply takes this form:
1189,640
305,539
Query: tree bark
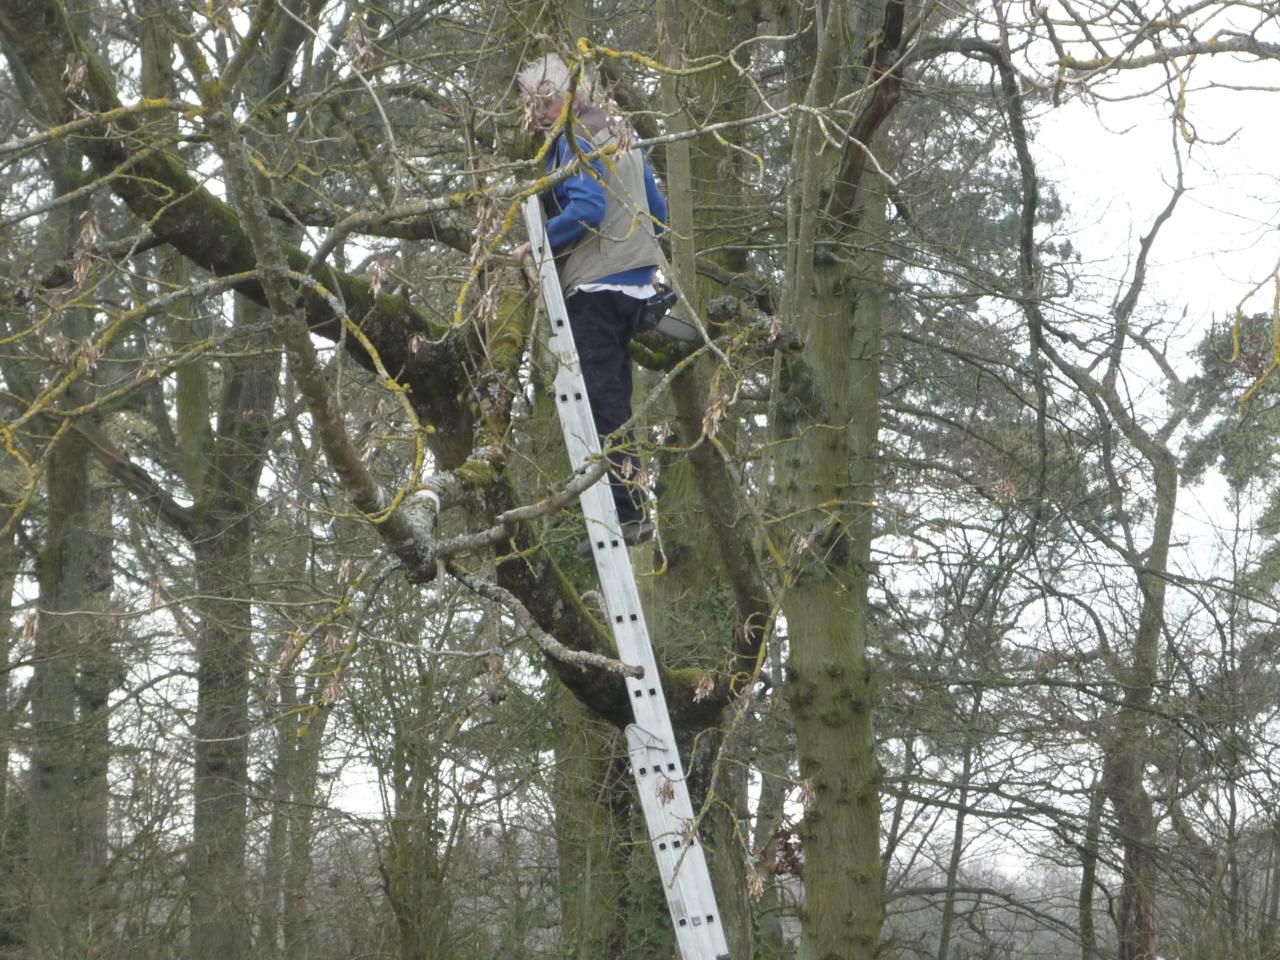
225,652
99,671
300,816
826,482
10,558
56,926
957,841
1089,874
59,923
830,685
593,807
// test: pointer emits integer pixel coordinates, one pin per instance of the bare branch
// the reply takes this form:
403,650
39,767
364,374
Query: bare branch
1228,43
548,644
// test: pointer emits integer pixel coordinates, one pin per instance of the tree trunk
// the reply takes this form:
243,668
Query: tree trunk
829,685
58,920
225,652
1270,907
593,806
1089,873
216,867
9,560
1125,763
56,926
99,672
1135,828
283,919
826,482
957,840
268,941
300,816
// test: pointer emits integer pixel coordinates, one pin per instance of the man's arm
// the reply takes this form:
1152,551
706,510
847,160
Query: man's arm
581,198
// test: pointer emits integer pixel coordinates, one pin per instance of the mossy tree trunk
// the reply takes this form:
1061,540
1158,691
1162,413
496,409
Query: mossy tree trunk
826,483
828,476
593,806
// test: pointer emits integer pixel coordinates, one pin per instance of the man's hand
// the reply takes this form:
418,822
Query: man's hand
521,253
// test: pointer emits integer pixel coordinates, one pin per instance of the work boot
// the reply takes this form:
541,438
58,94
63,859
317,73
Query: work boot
633,532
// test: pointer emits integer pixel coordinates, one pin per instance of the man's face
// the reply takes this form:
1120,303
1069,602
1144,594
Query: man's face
546,111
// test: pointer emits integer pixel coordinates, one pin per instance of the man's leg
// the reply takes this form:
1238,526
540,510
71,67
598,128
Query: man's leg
602,324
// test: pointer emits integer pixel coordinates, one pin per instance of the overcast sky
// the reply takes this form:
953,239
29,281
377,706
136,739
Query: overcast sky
1114,163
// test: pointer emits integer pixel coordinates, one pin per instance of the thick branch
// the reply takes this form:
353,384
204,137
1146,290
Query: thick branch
884,83
163,194
1226,43
143,486
732,525
414,223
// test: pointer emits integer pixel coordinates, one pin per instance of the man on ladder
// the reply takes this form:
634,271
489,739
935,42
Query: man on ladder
601,238
602,223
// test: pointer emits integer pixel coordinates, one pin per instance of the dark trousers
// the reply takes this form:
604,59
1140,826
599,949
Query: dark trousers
603,323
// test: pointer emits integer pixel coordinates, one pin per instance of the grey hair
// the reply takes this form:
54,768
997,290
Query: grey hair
548,76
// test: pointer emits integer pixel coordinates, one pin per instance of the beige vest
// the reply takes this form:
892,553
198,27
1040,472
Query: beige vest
625,239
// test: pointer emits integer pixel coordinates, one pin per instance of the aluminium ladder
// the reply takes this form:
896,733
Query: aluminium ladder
651,743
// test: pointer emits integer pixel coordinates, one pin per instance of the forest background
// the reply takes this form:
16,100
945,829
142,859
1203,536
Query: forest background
964,590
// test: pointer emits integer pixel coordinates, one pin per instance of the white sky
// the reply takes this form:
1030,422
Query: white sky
1114,164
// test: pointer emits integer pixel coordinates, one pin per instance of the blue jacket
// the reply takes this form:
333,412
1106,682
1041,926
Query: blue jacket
580,202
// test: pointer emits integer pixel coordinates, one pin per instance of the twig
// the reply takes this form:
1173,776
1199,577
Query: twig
524,619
